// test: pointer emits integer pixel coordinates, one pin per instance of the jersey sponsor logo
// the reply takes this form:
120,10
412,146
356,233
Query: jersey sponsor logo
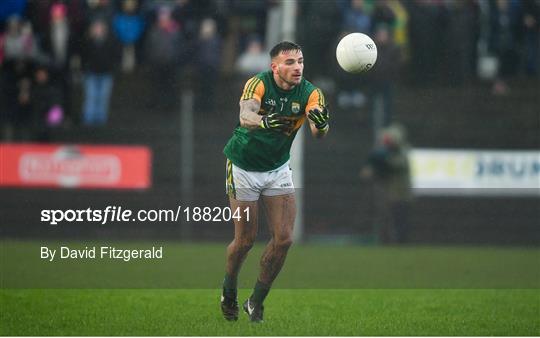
295,107
270,102
270,106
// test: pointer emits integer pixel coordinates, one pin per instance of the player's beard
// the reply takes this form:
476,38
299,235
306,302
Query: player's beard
290,83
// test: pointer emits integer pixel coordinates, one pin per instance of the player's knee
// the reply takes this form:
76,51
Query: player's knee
283,241
245,245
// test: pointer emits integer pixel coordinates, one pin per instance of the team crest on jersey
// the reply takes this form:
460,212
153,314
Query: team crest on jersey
295,108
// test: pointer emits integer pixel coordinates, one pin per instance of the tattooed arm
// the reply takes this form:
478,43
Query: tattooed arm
249,117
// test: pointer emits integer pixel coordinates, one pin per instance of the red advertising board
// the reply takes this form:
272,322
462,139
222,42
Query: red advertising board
74,166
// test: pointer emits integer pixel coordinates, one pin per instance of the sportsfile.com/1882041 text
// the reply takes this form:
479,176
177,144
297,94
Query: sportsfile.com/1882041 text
120,214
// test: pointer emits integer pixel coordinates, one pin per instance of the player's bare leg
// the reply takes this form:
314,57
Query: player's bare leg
245,231
280,212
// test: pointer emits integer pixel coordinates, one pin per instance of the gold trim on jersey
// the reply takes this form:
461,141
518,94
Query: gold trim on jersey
250,88
316,98
322,101
230,188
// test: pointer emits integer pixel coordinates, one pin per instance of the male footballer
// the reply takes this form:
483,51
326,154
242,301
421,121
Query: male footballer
273,107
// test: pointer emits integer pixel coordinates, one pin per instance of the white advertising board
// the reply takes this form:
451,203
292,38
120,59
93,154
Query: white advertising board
475,172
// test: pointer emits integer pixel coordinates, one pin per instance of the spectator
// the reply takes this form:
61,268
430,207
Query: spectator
400,25
16,89
129,27
323,22
252,17
463,35
58,46
183,13
531,23
388,166
382,78
352,16
38,13
164,49
19,42
357,19
99,10
207,63
57,42
427,29
19,52
505,25
47,108
383,15
76,13
42,13
99,58
254,59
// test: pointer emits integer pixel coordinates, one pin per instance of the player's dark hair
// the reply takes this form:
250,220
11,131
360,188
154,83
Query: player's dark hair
283,46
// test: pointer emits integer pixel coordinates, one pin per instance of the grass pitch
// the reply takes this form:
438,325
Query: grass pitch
322,290
288,312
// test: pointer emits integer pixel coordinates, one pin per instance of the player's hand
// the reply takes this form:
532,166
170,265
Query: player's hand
274,121
319,117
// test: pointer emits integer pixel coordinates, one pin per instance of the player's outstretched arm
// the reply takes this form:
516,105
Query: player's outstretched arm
318,121
249,117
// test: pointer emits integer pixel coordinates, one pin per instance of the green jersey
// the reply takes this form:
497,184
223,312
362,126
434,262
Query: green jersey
267,149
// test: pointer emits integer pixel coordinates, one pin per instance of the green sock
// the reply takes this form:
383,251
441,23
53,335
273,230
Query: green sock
260,291
229,287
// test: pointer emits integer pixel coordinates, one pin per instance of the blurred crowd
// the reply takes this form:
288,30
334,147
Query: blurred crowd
47,47
425,43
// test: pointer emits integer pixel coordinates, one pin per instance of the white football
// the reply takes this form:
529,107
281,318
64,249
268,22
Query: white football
356,53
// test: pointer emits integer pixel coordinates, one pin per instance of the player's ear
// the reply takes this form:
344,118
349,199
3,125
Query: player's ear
274,67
